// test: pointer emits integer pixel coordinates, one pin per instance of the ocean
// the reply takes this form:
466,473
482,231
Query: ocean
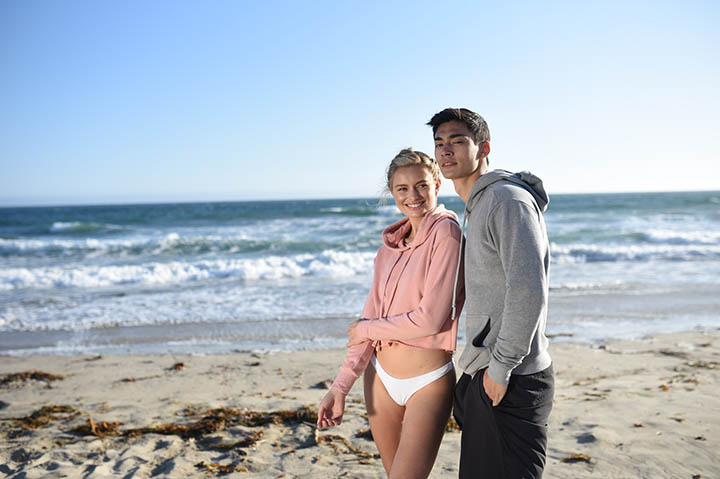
289,275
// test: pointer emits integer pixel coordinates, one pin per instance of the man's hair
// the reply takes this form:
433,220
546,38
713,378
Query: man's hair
475,123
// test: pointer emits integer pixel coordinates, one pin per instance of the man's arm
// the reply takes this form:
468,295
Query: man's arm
522,246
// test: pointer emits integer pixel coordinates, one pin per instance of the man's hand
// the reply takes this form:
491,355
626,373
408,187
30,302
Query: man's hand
353,337
331,409
495,391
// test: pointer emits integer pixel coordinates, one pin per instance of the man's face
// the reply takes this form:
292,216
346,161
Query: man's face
456,151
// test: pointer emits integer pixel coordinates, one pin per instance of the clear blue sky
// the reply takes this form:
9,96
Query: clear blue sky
211,100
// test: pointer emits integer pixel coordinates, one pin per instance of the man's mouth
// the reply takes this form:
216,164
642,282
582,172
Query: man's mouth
446,164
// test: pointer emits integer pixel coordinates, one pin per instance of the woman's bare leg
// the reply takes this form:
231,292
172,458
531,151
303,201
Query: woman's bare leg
385,416
426,415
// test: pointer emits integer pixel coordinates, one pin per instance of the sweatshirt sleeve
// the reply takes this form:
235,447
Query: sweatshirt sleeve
356,361
520,240
435,307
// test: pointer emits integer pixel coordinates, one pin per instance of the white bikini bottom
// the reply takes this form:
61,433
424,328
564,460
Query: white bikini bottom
400,390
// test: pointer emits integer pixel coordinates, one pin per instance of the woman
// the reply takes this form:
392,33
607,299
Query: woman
408,328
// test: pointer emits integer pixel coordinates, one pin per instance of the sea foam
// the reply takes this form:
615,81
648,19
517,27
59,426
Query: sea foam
587,253
327,264
682,237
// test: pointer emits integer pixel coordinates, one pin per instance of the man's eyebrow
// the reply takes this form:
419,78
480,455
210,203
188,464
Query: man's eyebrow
454,135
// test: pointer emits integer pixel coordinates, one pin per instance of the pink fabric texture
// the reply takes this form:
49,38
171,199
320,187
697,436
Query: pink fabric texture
410,299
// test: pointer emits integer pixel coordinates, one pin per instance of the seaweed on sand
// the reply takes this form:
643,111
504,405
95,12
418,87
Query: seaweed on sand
33,374
220,468
577,458
365,434
212,420
44,416
250,440
99,429
332,439
452,425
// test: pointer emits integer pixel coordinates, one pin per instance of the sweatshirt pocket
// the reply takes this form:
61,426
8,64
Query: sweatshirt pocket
481,322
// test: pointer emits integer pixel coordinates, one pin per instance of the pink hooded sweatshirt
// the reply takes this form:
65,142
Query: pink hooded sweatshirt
411,298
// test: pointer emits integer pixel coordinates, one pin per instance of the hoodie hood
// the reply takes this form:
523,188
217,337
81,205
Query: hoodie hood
527,180
395,233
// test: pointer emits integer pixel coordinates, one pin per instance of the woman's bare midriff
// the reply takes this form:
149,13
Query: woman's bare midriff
402,361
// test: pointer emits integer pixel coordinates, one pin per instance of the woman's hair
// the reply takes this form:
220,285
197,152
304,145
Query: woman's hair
409,157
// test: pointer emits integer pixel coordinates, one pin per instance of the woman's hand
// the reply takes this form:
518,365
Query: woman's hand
331,409
353,336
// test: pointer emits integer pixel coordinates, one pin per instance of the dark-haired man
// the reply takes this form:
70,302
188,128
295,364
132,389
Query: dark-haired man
504,397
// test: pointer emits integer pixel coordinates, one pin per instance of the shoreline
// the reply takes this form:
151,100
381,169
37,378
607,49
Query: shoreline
25,342
632,408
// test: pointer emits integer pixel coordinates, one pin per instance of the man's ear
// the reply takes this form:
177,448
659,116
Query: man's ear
483,150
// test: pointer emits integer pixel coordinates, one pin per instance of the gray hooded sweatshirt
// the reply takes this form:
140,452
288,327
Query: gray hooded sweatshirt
507,257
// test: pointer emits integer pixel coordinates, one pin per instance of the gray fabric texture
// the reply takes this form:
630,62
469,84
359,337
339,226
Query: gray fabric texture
507,258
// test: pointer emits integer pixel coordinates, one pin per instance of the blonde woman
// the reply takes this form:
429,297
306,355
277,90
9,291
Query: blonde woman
405,339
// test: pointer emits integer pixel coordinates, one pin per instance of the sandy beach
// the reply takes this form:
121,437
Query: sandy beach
630,409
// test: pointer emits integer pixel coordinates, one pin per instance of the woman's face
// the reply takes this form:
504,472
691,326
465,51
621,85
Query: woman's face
415,190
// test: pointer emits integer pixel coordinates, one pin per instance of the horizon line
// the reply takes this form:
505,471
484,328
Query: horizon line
70,203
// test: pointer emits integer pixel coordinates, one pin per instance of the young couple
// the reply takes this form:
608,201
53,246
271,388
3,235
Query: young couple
404,341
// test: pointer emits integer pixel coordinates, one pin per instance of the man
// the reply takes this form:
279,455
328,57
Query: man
503,399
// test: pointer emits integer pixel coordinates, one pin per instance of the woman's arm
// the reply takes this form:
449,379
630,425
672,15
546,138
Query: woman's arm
435,307
356,361
332,406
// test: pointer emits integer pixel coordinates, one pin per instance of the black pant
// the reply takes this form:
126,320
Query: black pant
507,441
